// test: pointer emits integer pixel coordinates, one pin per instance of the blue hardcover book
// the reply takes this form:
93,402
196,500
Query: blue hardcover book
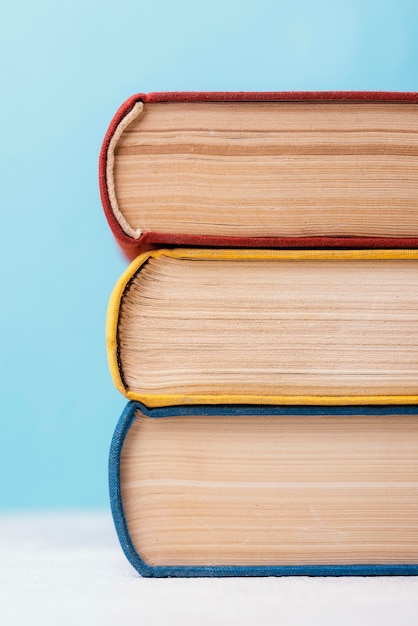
227,490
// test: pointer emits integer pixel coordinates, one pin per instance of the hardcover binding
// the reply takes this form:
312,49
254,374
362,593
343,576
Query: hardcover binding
132,247
147,570
161,400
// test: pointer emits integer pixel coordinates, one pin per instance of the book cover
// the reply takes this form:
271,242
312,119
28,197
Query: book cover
266,490
293,169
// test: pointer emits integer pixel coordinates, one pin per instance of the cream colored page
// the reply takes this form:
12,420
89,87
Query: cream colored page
270,169
272,490
333,328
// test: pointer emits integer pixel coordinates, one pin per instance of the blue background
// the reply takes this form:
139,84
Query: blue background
65,69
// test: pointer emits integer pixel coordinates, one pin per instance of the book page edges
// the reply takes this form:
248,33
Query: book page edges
113,318
160,400
133,241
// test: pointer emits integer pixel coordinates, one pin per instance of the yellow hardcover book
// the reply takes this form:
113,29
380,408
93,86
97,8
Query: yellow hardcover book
236,326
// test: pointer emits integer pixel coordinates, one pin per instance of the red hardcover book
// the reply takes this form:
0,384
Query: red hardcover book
306,169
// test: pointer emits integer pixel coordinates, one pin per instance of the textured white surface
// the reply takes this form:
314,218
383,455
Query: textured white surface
68,569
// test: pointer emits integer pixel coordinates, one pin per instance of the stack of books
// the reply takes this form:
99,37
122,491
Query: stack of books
266,332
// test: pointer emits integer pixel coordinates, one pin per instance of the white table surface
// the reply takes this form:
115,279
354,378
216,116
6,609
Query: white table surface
68,568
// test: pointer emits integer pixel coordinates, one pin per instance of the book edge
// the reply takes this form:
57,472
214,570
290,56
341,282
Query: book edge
132,242
160,400
122,428
112,319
